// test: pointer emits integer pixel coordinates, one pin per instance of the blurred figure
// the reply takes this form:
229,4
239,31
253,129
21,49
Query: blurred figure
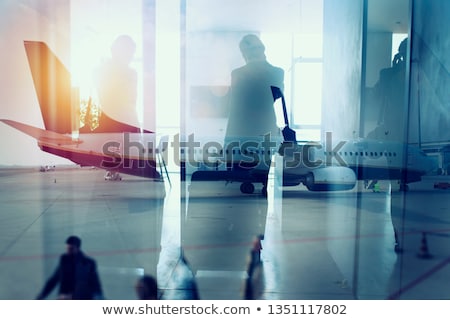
251,109
117,81
76,274
252,112
255,252
389,92
147,288
254,282
182,284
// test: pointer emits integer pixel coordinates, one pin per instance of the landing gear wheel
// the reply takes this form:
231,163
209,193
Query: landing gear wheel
247,187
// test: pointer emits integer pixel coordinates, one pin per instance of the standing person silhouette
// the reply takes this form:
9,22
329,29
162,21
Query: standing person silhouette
390,94
117,80
252,115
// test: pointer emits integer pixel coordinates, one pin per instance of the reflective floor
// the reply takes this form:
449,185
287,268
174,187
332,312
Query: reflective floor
317,245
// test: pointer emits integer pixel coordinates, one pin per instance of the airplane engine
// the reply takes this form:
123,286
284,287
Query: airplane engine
331,179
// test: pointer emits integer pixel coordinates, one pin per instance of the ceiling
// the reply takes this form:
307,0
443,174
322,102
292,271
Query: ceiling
232,15
388,15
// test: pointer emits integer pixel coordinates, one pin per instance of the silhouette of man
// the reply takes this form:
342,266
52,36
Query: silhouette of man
76,274
116,85
251,101
117,81
390,92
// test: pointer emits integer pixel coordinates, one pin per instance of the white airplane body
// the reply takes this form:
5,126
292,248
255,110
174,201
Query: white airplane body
319,166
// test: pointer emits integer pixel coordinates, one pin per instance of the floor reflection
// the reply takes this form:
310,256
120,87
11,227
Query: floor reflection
272,252
197,238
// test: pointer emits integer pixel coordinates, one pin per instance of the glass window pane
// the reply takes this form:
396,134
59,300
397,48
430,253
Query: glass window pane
308,94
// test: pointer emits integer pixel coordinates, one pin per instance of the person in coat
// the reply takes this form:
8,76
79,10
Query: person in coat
252,116
76,275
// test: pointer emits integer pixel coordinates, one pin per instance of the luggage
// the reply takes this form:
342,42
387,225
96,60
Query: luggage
289,135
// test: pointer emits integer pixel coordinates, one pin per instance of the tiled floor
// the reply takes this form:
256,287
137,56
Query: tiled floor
317,245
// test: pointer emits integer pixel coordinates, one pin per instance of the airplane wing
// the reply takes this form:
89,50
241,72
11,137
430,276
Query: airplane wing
41,134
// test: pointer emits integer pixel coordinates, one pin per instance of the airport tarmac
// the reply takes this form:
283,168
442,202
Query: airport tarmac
317,245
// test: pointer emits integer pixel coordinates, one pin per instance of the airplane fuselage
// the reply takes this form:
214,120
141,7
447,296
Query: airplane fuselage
128,153
332,165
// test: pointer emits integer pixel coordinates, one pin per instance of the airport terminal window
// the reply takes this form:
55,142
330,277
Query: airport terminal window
306,85
306,97
348,237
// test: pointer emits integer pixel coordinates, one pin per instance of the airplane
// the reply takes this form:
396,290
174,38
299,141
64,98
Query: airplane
122,148
319,166
101,142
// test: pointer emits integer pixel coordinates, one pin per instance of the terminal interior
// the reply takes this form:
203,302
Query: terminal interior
384,238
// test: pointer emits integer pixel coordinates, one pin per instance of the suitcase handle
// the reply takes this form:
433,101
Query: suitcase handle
277,93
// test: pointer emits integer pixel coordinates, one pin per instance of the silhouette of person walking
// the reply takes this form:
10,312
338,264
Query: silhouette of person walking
76,274
252,114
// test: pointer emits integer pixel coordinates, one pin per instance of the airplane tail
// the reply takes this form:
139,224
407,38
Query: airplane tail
52,84
54,91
